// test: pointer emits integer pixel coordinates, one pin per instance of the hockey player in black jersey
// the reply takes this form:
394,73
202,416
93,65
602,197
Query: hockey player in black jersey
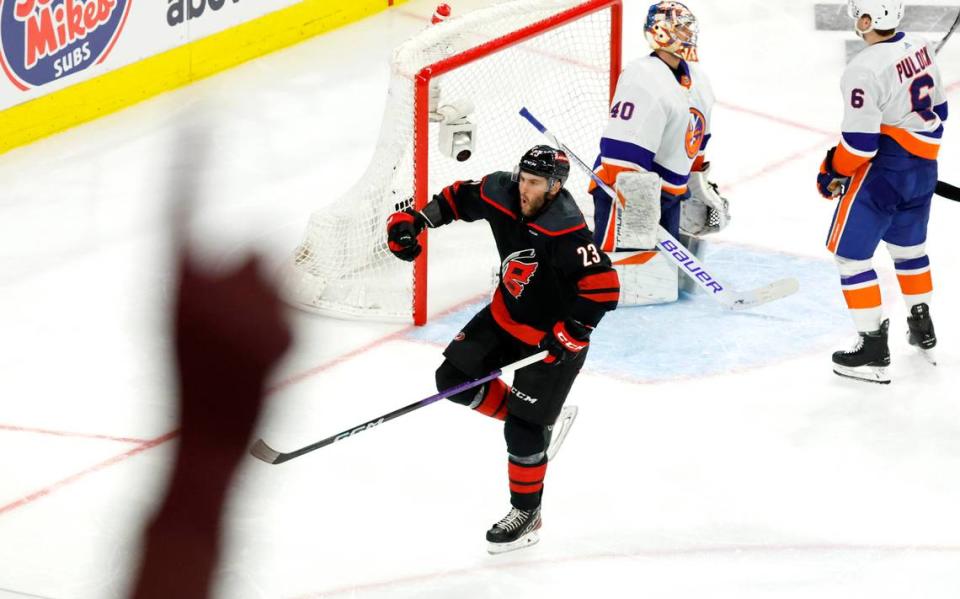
554,287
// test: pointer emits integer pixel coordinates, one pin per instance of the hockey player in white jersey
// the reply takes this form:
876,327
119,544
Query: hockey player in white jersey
659,123
884,172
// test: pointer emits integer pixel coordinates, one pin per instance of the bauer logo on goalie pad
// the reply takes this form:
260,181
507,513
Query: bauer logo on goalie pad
687,262
360,428
517,270
44,40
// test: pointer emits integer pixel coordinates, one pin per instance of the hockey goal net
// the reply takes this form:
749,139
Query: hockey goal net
559,58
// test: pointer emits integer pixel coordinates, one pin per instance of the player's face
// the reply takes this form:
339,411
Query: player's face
533,193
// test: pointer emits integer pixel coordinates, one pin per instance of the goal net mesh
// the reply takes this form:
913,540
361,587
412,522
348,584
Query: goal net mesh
561,74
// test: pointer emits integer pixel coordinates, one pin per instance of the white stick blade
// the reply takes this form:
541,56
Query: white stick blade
766,294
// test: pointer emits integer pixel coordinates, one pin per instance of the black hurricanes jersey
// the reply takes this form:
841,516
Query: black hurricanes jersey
550,268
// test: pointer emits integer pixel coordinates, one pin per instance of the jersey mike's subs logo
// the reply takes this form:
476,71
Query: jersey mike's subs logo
517,270
45,40
696,131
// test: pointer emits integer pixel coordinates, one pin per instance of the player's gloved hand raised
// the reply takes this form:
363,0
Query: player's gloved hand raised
402,231
567,339
830,184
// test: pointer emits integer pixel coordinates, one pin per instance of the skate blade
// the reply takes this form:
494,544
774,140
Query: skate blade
560,429
928,354
870,374
531,538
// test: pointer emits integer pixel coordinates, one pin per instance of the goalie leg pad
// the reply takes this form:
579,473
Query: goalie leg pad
639,209
646,278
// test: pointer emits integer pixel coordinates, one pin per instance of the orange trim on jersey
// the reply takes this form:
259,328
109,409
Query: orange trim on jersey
674,190
910,143
526,474
843,211
698,163
523,332
639,258
608,174
916,284
846,163
863,298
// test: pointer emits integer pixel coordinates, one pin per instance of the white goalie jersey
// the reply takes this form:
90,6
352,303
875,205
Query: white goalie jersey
659,122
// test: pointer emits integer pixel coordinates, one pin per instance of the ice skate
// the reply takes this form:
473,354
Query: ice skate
518,529
559,430
868,359
921,334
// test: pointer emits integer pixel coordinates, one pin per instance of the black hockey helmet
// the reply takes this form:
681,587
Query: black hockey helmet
544,161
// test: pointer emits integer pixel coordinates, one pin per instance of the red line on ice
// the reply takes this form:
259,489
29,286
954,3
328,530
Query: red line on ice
631,555
43,431
28,499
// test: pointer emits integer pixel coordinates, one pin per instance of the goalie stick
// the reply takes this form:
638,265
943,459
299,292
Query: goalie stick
684,258
264,452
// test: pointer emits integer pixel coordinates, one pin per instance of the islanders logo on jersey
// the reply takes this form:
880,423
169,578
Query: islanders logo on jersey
696,131
45,40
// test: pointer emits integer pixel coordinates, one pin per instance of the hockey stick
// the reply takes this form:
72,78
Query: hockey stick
953,28
945,190
262,451
685,260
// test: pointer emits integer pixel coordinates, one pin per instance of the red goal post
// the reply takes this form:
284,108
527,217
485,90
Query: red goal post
421,144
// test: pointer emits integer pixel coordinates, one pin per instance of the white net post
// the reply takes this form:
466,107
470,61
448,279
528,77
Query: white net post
558,57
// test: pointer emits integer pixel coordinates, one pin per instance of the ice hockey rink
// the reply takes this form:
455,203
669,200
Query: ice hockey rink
715,455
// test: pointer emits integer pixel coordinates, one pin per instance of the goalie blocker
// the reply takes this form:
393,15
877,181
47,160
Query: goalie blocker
646,275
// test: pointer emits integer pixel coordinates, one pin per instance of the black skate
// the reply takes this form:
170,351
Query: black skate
921,333
868,360
517,530
559,429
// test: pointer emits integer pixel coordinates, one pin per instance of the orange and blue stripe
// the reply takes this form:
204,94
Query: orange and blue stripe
915,280
861,291
844,208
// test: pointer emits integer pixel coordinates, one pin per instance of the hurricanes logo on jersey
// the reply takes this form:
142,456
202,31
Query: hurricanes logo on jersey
695,132
517,270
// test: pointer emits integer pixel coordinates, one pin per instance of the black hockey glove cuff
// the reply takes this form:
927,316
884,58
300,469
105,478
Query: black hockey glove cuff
402,231
567,339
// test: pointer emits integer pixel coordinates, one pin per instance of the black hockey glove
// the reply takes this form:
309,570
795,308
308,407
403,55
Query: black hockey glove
830,183
402,231
567,339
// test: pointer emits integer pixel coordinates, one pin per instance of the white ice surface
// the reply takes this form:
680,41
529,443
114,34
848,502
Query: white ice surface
715,455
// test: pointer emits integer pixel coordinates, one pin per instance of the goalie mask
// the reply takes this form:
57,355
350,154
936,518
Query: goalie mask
671,27
544,161
886,14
